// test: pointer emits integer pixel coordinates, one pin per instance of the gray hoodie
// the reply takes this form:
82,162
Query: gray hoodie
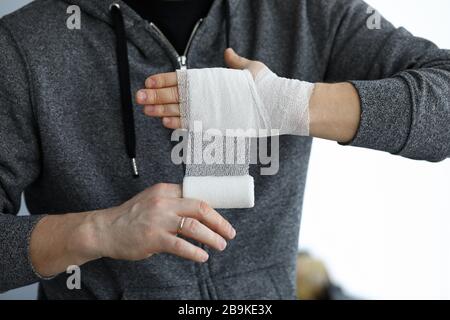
62,135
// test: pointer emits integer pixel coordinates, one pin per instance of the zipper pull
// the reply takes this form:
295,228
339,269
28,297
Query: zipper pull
182,61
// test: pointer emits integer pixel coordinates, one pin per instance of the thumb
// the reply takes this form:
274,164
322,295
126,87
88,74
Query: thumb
234,61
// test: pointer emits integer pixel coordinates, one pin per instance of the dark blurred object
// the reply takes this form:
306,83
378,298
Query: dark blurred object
313,281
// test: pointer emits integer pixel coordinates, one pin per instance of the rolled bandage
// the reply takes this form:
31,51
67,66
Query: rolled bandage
222,184
226,192
232,102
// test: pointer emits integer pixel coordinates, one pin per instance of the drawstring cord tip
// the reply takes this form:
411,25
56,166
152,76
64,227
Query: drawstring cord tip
135,167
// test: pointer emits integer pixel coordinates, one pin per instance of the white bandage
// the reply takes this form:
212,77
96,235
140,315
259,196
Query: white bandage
230,192
286,101
230,100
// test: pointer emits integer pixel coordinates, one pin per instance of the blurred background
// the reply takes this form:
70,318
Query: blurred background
376,225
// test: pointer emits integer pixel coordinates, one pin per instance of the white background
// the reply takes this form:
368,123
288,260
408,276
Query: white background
381,223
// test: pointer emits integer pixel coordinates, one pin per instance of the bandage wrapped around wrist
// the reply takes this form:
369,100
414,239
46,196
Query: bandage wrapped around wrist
231,103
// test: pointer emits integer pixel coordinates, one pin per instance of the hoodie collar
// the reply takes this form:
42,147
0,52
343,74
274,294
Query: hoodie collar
137,29
100,8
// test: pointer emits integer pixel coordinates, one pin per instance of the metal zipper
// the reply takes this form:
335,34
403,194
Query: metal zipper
182,60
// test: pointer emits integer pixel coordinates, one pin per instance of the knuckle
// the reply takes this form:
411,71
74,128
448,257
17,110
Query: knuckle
153,96
159,81
160,187
157,202
174,94
222,224
136,208
203,209
173,109
192,225
177,245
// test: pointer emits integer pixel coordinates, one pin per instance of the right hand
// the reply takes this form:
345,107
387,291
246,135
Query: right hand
148,224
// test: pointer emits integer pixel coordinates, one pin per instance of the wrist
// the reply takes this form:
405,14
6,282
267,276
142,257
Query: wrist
87,240
59,241
96,233
286,101
334,112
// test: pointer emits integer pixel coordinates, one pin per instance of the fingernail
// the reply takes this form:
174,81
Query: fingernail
141,95
232,233
166,121
222,245
204,257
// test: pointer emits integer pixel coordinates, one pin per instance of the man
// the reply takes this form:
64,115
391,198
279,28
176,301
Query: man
68,144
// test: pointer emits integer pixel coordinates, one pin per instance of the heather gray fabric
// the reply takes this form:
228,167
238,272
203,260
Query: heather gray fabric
62,136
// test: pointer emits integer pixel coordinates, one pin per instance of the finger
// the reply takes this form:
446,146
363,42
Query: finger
172,122
195,230
182,248
234,61
202,212
162,110
157,96
161,80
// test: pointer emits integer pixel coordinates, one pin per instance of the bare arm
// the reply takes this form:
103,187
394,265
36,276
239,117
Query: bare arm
335,112
59,241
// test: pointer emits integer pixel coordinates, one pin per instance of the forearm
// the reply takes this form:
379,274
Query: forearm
334,112
147,224
59,241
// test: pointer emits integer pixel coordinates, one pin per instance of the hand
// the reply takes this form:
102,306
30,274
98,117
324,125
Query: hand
334,109
148,224
160,98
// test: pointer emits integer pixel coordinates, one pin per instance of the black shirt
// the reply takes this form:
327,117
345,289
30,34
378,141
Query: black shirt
175,18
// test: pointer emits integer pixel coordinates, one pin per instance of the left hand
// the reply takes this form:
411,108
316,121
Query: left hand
160,97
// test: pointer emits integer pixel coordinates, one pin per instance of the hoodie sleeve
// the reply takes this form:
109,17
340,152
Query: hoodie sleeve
403,83
19,165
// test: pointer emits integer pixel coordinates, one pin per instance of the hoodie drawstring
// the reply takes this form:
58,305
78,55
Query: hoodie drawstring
125,86
227,23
